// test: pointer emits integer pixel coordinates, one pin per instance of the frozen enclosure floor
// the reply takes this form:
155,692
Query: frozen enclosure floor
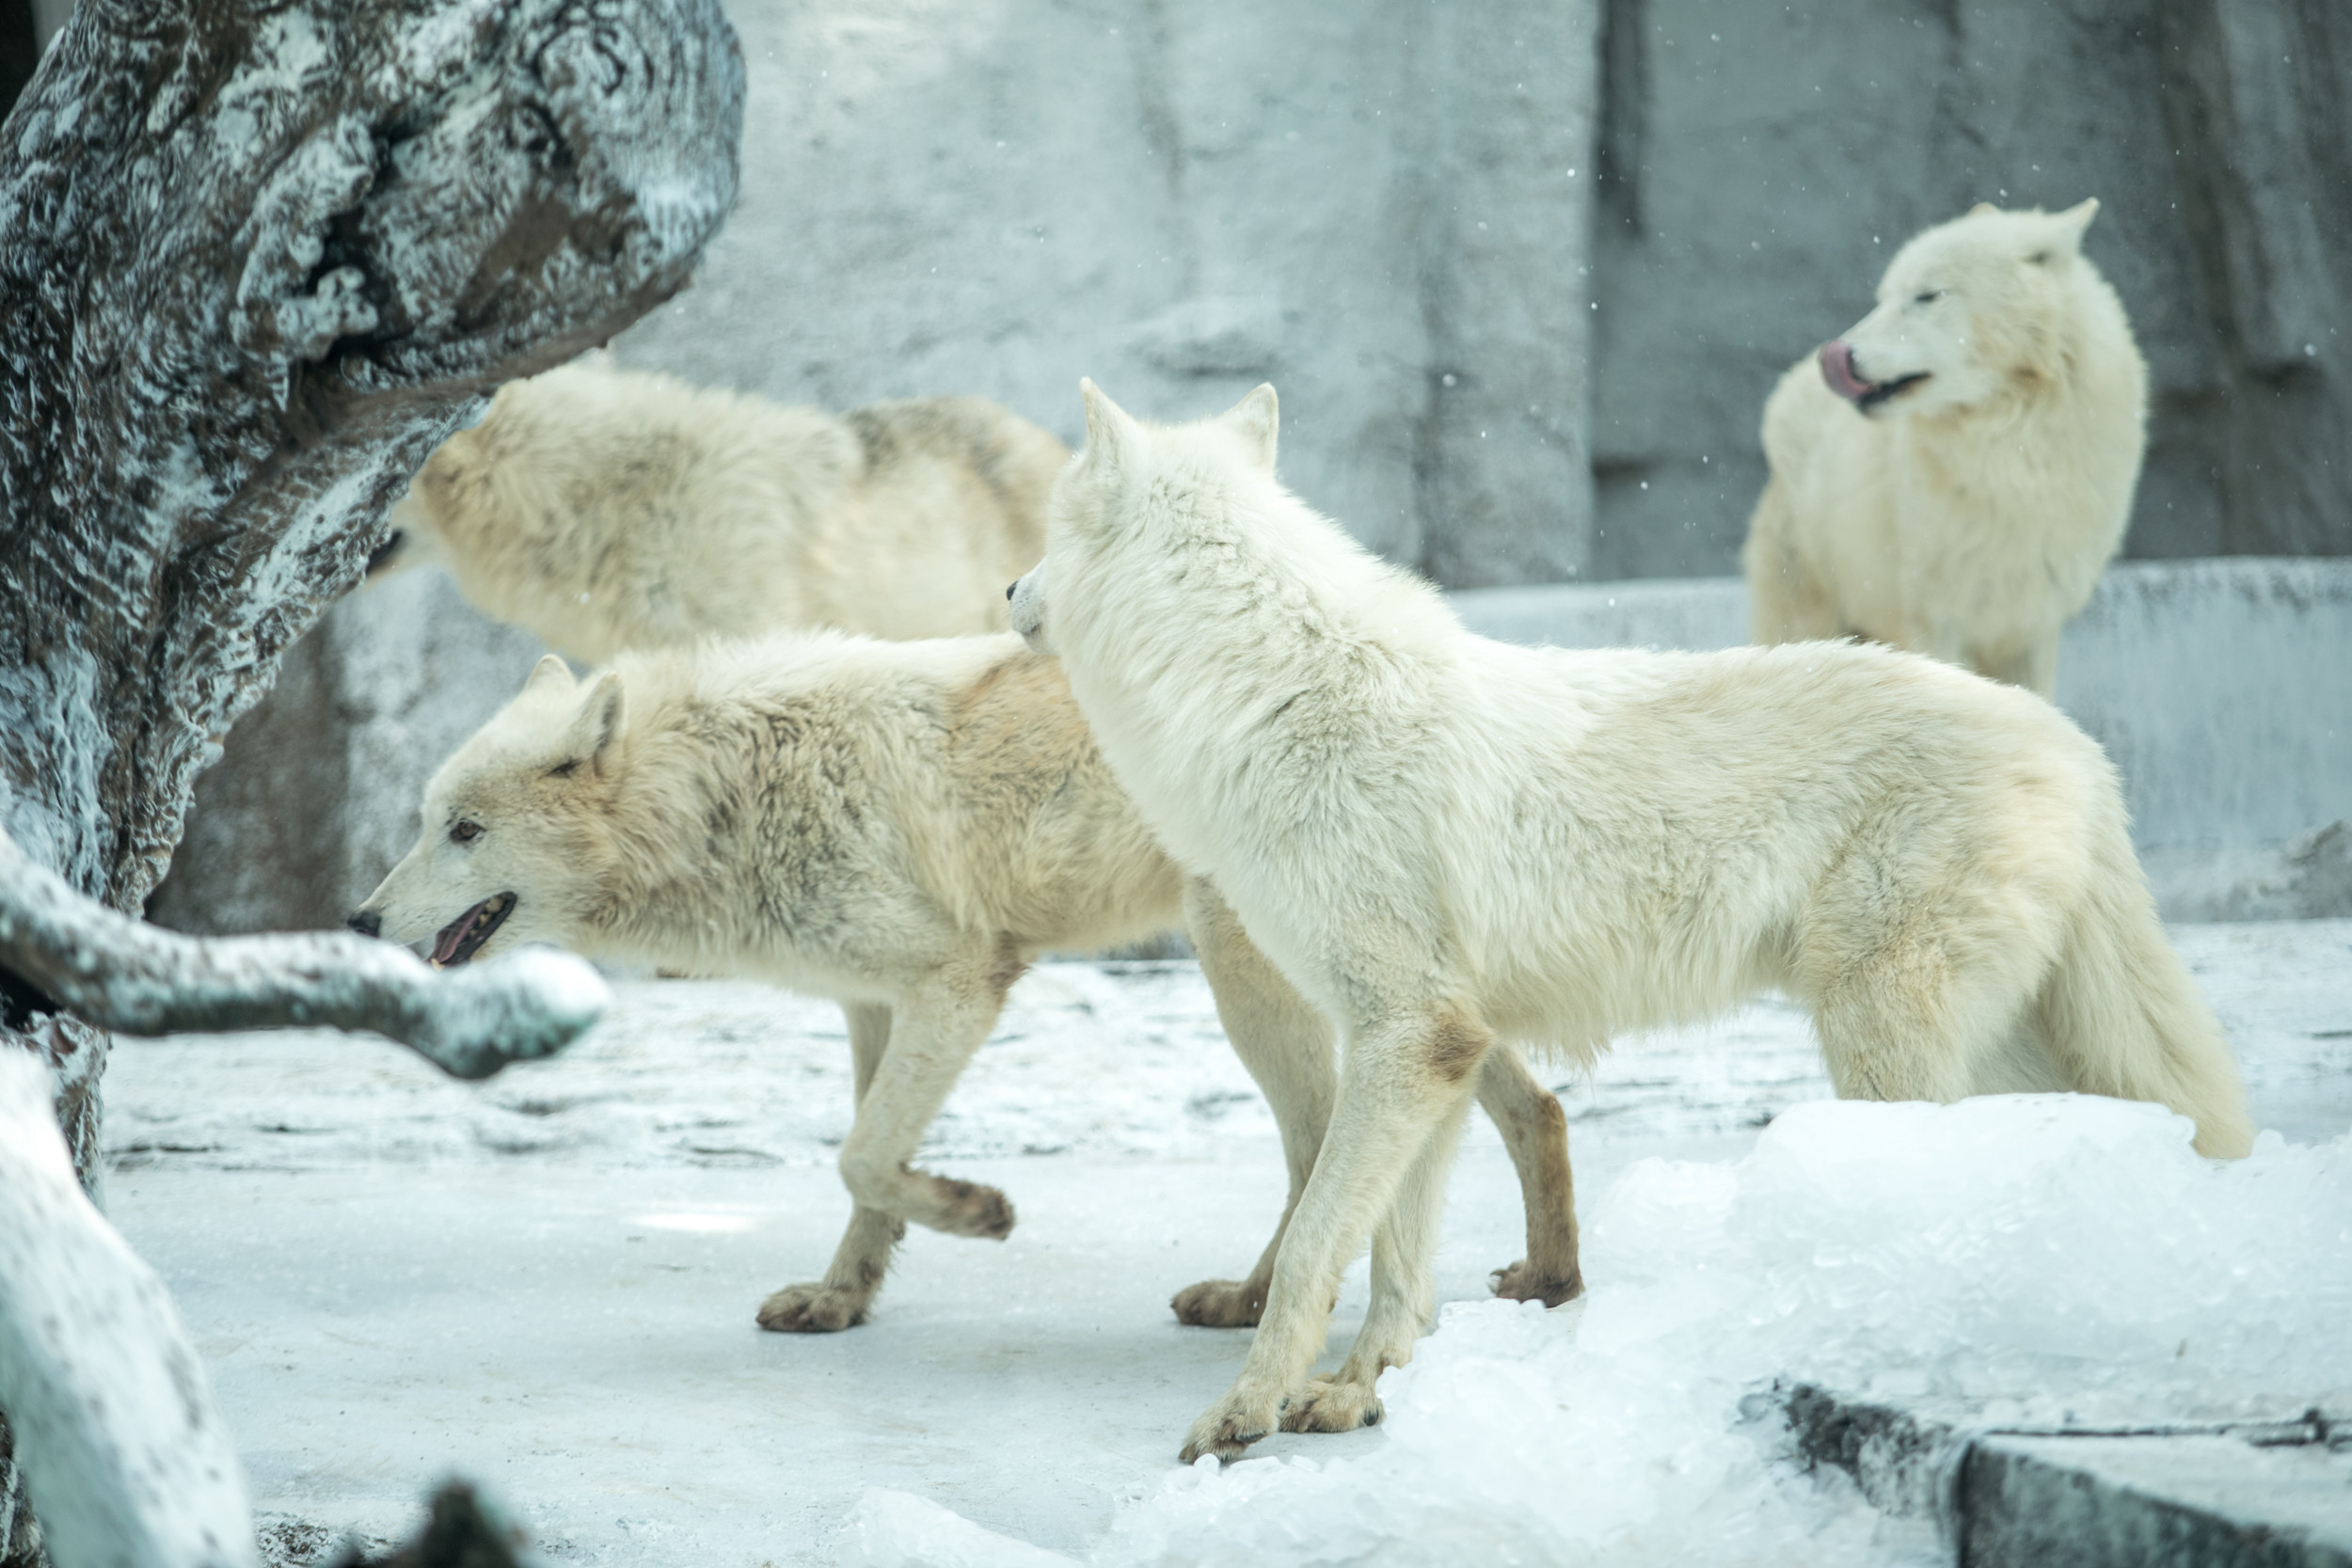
546,1281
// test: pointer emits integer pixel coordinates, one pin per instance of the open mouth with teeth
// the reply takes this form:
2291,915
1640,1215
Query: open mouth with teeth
1848,382
463,936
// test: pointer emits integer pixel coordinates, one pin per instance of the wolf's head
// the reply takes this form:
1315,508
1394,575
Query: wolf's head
1970,311
511,836
1211,623
1095,509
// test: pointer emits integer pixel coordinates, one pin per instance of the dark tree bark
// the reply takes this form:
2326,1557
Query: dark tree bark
256,260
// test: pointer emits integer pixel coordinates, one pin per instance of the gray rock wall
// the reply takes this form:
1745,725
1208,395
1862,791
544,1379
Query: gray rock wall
1380,207
1760,163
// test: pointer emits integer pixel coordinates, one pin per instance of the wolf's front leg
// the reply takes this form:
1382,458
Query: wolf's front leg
1405,1080
1403,1291
839,1300
1286,1045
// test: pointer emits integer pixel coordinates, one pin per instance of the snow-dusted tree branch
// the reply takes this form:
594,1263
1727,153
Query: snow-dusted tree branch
123,1454
256,259
140,979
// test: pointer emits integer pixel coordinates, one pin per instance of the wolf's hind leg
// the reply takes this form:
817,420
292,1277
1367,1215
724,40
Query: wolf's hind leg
839,1300
1403,1290
1909,1023
1535,1129
1287,1047
934,1031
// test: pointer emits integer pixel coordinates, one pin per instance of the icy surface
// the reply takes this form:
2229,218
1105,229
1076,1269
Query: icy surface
547,1282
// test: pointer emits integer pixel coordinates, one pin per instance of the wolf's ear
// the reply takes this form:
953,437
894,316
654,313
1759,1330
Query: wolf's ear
2064,241
1111,435
549,674
1257,417
598,723
2076,218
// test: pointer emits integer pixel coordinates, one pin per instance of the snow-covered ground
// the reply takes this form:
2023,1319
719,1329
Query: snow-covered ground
546,1282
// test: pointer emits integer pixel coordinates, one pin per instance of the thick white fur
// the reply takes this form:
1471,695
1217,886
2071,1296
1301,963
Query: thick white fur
1966,517
899,826
604,509
1444,841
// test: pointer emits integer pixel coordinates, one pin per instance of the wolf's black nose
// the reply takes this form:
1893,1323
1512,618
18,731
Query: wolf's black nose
366,922
1010,587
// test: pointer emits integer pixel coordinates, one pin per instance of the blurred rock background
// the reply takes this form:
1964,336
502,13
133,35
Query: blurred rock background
1760,163
1524,275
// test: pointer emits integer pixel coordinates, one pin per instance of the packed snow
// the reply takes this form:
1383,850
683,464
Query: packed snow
546,1282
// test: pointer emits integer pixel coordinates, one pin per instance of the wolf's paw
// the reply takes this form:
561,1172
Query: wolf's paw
1329,1404
969,1209
1220,1303
1520,1282
812,1309
1232,1424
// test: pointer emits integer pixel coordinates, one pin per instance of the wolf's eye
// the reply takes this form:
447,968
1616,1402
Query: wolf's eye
465,832
1927,296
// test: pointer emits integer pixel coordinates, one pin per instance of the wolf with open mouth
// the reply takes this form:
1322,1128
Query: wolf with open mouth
1951,475
902,827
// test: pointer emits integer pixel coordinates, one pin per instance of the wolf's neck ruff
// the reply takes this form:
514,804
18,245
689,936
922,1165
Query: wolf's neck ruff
1184,597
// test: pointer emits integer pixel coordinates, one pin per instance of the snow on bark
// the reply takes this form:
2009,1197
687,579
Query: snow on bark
138,979
256,259
123,1453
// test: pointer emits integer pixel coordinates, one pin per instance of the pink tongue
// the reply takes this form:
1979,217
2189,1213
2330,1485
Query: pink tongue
445,945
1837,361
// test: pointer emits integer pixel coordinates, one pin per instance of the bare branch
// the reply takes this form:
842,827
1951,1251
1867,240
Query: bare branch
124,975
124,1455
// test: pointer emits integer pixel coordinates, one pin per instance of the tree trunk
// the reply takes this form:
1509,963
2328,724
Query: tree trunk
255,263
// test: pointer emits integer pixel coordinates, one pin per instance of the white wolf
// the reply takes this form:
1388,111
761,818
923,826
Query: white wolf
1951,475
603,509
1443,842
900,826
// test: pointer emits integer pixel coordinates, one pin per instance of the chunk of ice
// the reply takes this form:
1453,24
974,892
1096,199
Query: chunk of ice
2064,1255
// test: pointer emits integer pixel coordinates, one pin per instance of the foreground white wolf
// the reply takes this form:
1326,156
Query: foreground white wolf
602,509
1443,842
1951,475
900,826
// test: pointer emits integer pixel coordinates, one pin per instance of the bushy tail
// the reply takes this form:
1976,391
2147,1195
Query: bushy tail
2122,1016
